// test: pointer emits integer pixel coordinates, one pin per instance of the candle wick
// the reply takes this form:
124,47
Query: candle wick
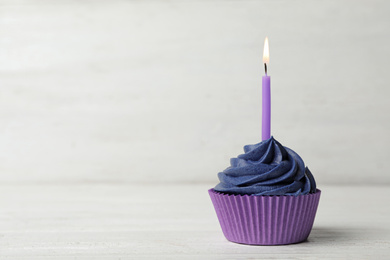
265,68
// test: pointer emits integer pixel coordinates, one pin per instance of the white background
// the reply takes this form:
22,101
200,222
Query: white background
168,91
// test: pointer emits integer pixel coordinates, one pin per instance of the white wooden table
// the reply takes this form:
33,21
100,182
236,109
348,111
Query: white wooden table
124,221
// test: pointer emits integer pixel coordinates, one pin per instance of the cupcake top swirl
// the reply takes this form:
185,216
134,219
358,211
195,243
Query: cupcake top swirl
267,168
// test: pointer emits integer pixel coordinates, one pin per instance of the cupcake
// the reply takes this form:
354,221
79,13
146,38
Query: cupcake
266,197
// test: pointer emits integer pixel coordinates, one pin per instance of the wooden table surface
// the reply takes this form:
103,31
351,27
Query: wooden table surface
125,221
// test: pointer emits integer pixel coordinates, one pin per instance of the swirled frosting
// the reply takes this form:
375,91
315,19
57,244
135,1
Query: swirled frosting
267,168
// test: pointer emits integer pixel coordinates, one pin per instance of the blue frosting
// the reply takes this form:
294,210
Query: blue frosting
267,168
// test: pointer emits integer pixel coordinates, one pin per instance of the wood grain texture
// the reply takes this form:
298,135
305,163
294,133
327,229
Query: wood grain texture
116,221
118,90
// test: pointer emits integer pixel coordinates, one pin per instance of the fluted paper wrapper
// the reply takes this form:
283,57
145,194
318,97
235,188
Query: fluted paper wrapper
265,220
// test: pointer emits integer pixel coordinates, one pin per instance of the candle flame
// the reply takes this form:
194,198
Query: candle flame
266,52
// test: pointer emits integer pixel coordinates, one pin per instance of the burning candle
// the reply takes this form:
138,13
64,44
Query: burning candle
266,115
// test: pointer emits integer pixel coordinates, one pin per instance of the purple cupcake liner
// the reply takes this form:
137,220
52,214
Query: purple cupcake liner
265,220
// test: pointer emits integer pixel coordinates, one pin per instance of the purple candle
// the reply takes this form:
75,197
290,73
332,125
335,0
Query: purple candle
266,116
